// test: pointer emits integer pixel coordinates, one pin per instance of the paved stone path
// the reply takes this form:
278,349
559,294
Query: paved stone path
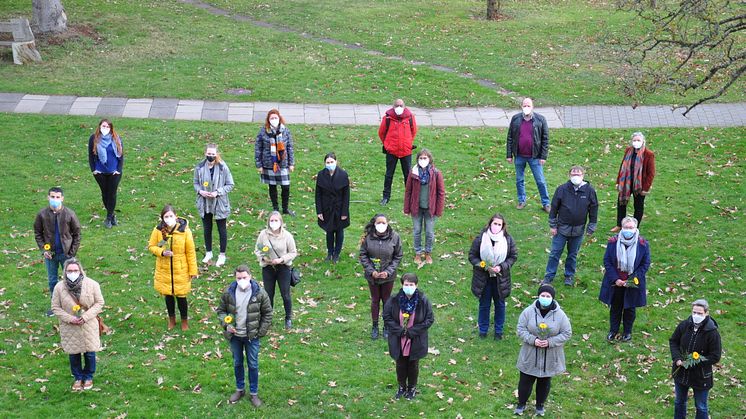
711,115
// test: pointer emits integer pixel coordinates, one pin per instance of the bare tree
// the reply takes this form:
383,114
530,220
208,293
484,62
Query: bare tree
695,47
493,9
49,16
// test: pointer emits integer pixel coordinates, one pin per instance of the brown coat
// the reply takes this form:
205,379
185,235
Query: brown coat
69,230
77,339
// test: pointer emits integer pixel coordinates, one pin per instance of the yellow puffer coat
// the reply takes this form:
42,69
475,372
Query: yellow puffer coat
173,274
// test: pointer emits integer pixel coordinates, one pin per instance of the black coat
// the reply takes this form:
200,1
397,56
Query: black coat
706,342
480,276
423,319
333,199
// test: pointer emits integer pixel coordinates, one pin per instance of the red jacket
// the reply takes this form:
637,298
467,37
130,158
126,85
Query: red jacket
397,132
648,169
437,191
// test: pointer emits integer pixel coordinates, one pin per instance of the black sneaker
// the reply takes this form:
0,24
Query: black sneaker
610,337
114,220
384,201
50,313
289,212
288,324
482,335
328,257
626,337
107,222
569,281
374,332
335,258
498,336
399,393
411,392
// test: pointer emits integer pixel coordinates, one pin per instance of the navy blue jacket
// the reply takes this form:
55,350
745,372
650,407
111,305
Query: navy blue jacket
633,297
571,208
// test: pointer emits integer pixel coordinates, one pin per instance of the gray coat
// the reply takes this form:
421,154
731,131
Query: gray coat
221,181
542,362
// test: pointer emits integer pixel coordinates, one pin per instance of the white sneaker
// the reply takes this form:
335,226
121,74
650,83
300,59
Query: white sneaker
208,257
221,260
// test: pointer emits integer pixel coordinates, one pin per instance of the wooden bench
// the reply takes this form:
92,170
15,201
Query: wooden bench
22,42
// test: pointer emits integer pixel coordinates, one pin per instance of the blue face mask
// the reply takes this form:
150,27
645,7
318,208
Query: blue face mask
545,301
628,234
331,167
55,203
409,289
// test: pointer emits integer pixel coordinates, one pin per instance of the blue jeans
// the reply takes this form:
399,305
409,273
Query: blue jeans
558,245
700,401
538,171
423,217
490,294
239,346
80,372
53,265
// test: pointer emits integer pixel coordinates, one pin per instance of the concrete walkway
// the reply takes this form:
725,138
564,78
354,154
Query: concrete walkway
710,115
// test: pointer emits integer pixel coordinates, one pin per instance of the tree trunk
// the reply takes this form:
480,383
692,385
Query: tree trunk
493,9
49,16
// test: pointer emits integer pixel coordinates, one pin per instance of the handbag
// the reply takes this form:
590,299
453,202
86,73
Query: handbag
295,274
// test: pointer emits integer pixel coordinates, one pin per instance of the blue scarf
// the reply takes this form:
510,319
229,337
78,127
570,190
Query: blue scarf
424,174
103,144
408,305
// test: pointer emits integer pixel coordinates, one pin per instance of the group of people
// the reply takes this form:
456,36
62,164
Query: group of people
246,309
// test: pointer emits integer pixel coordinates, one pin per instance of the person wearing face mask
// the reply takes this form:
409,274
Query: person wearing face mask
77,301
212,183
408,316
274,157
635,178
276,261
528,143
380,255
698,333
57,234
493,252
424,199
333,205
574,203
248,311
397,132
105,159
172,244
543,329
626,263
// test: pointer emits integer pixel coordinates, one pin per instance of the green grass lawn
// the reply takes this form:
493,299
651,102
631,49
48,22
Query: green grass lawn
552,51
328,366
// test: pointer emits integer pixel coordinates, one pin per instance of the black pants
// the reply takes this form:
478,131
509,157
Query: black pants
108,183
278,274
526,384
621,210
183,306
407,371
618,314
222,232
406,165
334,241
285,197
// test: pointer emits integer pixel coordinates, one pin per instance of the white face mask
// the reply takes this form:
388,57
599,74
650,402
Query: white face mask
244,284
698,318
170,221
274,225
576,180
274,122
399,110
73,276
637,144
423,162
104,131
527,110
381,228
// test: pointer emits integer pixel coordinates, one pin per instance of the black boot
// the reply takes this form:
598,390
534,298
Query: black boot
286,201
107,222
273,197
335,258
374,331
385,332
328,256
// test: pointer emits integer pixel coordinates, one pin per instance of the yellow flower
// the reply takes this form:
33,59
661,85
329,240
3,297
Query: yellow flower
47,246
228,319
695,355
205,184
265,249
405,315
543,326
636,281
76,308
482,264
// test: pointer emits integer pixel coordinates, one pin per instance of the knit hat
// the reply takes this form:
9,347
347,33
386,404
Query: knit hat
546,288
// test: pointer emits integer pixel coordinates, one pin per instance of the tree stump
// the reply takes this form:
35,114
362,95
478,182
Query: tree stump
24,52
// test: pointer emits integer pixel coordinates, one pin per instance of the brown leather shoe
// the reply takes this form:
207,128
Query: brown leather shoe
546,208
255,400
521,205
615,229
235,397
77,386
417,258
428,259
87,384
171,322
184,325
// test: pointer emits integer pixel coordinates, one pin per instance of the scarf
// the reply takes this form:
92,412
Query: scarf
408,305
276,148
493,254
630,182
424,174
75,287
103,144
626,252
